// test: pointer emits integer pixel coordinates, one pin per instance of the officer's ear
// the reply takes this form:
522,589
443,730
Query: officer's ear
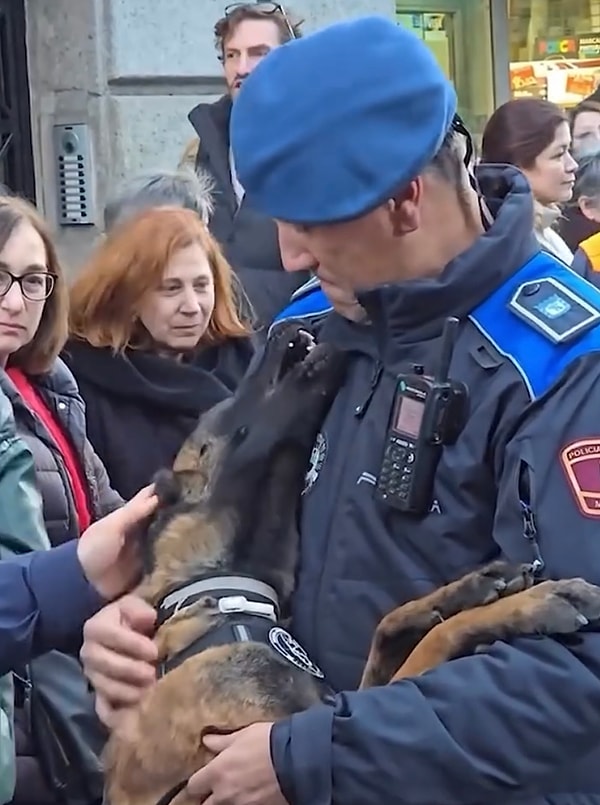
405,207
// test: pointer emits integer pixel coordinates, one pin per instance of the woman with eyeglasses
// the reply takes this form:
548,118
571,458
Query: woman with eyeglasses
50,417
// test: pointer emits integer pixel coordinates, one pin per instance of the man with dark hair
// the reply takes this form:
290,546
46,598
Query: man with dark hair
245,34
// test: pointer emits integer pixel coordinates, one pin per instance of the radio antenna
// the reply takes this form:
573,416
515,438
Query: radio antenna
449,335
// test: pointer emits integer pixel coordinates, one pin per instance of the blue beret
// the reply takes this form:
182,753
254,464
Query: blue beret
329,126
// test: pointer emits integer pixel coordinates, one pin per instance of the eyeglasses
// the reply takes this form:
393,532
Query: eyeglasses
266,8
35,285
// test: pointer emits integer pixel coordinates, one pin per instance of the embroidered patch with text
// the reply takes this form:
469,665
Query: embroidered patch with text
581,463
293,652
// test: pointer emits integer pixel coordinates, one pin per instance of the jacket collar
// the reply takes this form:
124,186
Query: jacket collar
545,215
416,311
211,123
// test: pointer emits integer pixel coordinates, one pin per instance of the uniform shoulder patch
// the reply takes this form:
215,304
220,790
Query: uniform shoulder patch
542,319
291,650
581,462
555,310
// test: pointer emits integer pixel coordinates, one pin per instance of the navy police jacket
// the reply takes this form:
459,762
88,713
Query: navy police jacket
45,599
519,723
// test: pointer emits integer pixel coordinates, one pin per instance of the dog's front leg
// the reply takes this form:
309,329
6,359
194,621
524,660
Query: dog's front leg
553,607
404,628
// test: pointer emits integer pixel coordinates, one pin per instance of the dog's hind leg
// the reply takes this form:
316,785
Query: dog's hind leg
551,608
405,627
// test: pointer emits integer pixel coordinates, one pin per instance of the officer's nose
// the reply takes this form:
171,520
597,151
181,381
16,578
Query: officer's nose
295,254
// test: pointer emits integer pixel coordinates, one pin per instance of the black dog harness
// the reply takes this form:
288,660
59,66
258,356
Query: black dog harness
251,608
252,612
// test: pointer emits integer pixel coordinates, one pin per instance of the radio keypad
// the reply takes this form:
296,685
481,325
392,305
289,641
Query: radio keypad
394,479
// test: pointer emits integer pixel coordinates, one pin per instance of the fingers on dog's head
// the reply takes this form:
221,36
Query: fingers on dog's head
167,487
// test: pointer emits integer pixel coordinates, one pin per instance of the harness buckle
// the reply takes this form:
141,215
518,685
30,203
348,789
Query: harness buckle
230,604
233,603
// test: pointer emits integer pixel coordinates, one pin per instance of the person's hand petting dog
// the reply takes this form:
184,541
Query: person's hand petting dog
109,550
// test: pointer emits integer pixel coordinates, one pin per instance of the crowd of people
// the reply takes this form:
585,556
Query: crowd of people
371,216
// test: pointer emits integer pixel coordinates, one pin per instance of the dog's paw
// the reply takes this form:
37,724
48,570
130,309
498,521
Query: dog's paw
496,580
560,607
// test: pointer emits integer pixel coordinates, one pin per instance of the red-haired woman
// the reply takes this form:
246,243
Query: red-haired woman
155,339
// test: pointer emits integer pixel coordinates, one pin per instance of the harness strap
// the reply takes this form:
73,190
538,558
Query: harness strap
238,594
240,627
167,798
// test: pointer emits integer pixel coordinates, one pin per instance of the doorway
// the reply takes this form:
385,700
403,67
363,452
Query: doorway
459,33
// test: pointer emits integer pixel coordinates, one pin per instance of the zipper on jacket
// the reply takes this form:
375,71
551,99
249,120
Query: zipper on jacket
528,517
361,409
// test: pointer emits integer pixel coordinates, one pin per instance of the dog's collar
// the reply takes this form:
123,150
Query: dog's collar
234,594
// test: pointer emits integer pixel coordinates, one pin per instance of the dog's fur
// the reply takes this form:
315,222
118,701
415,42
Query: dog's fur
229,506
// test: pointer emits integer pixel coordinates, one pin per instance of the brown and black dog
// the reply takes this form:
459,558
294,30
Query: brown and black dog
221,555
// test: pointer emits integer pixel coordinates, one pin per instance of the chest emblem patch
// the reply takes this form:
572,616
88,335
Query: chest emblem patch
317,459
581,463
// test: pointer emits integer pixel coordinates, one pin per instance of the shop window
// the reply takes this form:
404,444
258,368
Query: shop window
554,49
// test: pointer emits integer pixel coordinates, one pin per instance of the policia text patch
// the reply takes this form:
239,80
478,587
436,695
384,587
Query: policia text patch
554,310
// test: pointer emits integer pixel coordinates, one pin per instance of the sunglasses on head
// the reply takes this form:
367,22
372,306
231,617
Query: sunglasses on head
266,8
459,127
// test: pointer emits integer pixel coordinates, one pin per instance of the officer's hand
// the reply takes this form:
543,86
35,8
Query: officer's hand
118,656
109,550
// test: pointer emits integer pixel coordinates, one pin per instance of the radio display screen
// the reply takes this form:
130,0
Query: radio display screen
409,416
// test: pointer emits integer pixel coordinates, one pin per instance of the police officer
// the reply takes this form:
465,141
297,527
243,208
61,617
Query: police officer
368,167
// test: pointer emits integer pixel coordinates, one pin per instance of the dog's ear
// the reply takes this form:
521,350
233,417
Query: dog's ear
167,488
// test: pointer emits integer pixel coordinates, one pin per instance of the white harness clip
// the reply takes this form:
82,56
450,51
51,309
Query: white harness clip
239,603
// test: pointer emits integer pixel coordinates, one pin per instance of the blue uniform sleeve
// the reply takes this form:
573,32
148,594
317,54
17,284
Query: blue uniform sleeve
44,601
491,726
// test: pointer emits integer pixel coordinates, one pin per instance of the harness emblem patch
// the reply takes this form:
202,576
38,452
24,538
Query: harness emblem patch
292,651
316,461
581,463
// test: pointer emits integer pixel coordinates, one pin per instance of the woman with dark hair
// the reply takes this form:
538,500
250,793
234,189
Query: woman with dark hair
50,417
157,337
533,135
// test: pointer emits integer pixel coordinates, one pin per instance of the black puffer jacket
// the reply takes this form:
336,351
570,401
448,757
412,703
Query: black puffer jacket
59,390
249,239
142,406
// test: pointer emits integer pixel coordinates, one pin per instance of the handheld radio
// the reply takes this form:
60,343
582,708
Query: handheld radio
428,413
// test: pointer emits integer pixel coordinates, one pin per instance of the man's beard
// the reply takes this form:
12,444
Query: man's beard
236,85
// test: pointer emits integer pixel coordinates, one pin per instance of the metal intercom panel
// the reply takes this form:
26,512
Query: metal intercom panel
73,155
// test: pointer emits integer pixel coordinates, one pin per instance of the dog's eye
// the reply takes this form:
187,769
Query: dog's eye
240,434
203,450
